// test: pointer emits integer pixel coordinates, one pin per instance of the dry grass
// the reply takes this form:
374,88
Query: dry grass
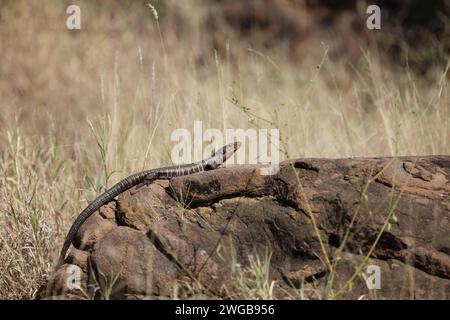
81,110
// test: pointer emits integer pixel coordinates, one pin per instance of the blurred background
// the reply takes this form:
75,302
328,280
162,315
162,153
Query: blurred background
81,109
198,52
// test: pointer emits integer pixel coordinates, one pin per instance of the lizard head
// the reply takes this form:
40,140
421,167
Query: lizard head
227,151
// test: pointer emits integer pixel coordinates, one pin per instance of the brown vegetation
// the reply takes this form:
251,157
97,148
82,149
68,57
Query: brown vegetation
82,109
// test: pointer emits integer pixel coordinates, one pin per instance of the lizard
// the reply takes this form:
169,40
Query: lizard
145,178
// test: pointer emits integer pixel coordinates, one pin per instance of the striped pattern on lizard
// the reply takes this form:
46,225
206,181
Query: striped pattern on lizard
146,178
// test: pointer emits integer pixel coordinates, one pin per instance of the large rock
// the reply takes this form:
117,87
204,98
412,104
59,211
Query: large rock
126,263
319,228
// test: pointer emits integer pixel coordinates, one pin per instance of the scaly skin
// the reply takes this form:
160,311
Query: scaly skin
145,177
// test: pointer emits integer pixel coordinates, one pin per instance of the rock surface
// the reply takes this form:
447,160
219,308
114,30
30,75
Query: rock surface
319,228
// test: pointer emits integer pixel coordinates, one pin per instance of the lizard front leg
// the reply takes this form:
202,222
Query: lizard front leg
149,178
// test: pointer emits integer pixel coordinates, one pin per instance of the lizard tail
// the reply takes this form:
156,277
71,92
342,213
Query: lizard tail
86,213
107,196
62,255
